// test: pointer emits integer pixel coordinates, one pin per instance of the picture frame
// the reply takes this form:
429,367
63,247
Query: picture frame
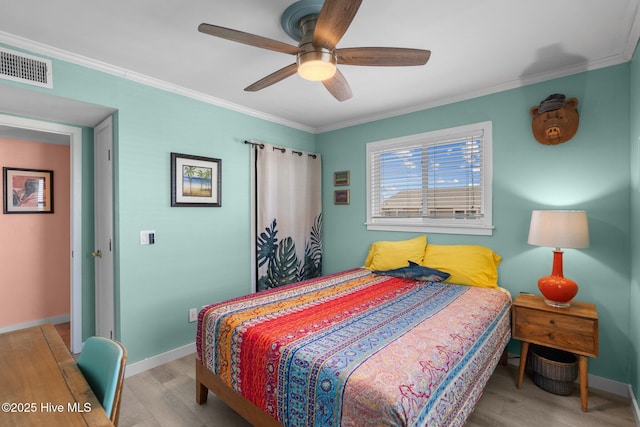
196,181
341,197
341,178
27,191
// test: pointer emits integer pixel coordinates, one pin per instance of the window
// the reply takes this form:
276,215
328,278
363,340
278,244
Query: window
432,182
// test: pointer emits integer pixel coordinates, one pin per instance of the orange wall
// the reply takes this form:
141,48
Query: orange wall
35,257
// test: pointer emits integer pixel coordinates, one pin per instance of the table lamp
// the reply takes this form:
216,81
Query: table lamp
558,229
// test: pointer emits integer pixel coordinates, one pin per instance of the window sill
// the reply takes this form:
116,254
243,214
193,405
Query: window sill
445,229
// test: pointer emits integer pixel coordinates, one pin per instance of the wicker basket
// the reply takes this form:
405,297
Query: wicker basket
554,370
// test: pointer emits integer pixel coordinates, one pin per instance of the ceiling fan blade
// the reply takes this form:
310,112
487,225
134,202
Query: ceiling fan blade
246,38
338,86
382,56
335,17
272,78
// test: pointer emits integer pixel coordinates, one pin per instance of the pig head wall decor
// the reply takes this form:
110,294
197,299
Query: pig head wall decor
555,120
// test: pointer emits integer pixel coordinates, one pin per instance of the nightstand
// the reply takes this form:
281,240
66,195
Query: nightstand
573,329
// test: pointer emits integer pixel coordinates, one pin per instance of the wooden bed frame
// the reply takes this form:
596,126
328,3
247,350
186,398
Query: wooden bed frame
206,380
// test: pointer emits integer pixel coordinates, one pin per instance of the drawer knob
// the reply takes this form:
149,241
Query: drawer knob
551,337
552,321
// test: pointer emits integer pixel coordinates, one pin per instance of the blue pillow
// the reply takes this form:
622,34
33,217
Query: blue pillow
416,272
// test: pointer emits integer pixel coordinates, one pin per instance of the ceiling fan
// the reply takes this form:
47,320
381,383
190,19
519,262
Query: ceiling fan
318,26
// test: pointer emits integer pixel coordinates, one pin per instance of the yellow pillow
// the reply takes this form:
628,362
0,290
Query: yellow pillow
389,255
472,265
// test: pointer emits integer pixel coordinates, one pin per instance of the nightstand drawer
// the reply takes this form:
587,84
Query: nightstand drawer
575,334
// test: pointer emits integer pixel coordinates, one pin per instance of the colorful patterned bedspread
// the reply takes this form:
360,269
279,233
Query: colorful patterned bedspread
356,349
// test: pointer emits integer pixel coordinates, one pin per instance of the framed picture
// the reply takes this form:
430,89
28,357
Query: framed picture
341,197
341,178
27,190
195,181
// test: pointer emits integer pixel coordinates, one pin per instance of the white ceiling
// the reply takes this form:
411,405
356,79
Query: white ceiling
478,47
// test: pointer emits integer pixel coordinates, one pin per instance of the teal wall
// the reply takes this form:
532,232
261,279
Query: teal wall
634,324
589,172
202,254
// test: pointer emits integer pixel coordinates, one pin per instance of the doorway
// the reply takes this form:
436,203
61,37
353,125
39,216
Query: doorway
74,136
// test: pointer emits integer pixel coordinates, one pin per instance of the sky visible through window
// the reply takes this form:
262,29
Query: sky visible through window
448,165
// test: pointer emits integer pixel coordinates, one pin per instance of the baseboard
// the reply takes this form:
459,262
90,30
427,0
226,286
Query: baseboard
160,359
63,318
595,381
634,405
610,386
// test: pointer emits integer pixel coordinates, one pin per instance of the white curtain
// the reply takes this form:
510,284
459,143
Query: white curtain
289,216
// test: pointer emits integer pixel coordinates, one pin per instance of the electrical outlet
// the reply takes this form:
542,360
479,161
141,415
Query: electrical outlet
193,315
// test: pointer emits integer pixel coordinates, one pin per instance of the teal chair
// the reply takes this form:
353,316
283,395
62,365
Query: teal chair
102,363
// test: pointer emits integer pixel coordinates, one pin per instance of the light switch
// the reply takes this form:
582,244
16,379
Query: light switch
147,237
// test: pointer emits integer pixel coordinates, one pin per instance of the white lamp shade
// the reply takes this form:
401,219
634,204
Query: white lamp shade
559,229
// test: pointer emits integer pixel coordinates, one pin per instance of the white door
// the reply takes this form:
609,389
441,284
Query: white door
103,251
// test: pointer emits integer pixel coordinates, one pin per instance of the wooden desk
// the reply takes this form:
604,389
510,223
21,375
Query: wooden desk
40,383
573,329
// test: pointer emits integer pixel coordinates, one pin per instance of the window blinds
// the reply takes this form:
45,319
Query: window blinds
429,178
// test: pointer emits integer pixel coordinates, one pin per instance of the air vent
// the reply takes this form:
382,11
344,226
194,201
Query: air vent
23,68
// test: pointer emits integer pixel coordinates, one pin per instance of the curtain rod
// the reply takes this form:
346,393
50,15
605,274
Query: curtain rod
282,149
254,143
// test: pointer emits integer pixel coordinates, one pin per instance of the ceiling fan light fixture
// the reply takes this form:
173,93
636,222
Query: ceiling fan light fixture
316,70
319,25
316,65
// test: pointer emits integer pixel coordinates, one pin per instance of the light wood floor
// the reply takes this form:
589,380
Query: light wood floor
165,396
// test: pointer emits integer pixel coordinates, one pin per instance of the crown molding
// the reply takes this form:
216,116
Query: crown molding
31,46
42,49
489,90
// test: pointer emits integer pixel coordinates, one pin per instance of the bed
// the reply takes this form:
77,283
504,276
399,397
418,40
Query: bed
353,349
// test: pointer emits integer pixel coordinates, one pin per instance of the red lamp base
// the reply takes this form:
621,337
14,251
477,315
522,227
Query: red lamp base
557,289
